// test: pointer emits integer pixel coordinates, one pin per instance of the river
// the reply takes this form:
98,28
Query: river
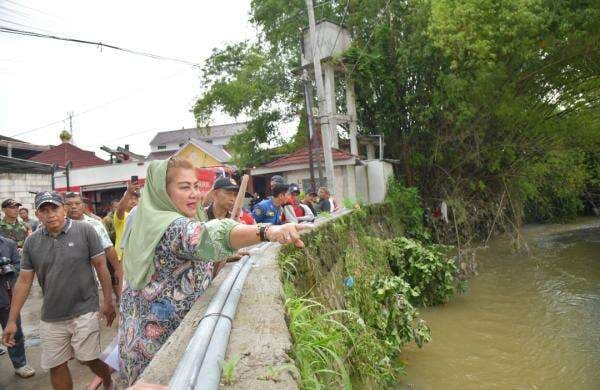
527,321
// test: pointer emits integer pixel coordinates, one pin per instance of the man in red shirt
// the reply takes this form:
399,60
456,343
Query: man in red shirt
293,210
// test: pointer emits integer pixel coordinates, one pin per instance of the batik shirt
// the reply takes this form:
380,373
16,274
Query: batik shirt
183,262
101,230
17,231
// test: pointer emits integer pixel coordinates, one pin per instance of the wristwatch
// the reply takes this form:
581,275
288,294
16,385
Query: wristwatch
262,232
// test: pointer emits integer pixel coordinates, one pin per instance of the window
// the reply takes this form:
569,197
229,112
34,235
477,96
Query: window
161,147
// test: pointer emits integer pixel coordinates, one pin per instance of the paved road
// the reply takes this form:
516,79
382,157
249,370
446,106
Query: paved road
31,317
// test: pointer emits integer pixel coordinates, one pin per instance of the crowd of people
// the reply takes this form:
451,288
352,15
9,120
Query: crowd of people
156,251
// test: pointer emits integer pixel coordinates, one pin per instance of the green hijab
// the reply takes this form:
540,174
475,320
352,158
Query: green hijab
153,215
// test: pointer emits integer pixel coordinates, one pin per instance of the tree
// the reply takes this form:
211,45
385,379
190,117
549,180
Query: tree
470,94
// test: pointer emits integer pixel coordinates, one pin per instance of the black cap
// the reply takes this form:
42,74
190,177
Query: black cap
48,197
294,188
312,191
278,179
225,183
10,203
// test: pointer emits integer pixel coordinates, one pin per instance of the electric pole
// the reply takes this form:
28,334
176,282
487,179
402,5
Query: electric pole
326,132
70,114
311,126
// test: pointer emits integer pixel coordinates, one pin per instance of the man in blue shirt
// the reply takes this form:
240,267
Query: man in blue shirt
269,210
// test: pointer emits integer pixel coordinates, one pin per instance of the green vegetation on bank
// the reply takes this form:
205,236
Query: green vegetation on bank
352,294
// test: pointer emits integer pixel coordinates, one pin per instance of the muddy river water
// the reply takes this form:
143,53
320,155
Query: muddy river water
527,321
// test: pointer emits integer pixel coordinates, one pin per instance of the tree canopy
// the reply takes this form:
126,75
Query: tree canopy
478,99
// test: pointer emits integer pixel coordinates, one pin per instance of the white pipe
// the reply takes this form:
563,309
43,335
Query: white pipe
210,371
186,372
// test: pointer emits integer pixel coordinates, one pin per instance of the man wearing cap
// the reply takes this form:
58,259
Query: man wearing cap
270,210
10,226
310,199
9,267
293,210
62,254
224,192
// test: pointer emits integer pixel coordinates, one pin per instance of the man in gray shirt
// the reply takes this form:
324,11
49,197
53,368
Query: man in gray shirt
62,255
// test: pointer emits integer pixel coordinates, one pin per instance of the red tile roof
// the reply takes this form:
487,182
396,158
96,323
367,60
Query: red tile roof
64,152
301,157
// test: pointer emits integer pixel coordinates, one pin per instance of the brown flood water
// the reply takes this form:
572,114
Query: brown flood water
527,321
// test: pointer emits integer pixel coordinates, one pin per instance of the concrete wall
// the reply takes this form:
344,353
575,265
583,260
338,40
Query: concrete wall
378,173
362,185
365,183
18,185
345,180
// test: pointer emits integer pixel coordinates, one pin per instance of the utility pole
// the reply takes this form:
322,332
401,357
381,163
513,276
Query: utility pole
323,112
70,114
311,126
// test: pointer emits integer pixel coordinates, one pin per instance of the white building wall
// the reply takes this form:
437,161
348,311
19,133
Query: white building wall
344,180
171,146
101,174
18,186
363,183
378,173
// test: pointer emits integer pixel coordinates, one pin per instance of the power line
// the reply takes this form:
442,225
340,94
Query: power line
341,26
33,9
23,25
9,30
120,138
99,106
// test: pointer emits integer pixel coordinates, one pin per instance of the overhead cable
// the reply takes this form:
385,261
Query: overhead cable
9,30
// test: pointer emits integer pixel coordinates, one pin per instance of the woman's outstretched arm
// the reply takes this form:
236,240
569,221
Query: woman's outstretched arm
245,235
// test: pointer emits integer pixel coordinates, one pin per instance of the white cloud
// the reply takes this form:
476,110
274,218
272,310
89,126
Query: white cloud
41,79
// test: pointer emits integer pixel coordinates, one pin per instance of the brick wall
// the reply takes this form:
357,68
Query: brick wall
18,185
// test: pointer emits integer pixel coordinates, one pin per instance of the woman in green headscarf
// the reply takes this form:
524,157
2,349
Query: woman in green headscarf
169,260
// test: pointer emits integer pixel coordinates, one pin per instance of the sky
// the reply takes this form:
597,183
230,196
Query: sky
117,98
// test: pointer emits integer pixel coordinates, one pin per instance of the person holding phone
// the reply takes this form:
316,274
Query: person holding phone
128,201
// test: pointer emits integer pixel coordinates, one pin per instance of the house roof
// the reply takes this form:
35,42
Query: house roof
20,149
5,138
17,165
162,155
201,134
65,152
301,157
216,152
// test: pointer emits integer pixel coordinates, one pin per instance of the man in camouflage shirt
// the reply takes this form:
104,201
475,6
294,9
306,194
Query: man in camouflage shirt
10,226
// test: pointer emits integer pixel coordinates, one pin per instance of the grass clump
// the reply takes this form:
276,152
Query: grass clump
319,342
